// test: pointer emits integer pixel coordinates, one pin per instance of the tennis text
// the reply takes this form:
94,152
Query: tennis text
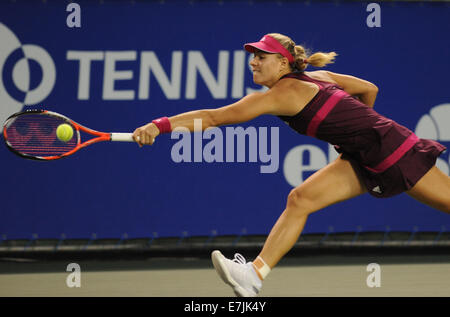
136,69
221,147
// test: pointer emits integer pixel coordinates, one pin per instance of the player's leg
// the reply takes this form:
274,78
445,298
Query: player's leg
433,189
332,184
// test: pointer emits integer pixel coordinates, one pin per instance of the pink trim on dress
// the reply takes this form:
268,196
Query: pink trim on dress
324,111
396,155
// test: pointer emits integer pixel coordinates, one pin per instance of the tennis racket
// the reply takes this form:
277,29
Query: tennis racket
31,134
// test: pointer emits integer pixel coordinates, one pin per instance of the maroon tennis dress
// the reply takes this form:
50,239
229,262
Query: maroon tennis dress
388,157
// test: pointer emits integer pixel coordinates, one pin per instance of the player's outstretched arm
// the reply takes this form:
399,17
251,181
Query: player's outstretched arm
246,109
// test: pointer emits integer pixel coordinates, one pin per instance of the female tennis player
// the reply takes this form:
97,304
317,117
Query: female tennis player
377,155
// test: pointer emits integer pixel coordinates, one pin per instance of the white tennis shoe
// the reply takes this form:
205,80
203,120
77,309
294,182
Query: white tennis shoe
241,276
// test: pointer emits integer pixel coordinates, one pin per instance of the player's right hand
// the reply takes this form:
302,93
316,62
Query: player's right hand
146,134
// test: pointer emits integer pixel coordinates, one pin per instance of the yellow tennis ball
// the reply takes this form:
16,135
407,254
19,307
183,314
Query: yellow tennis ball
64,132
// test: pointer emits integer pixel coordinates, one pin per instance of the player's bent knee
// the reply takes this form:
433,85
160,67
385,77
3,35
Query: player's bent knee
294,198
298,203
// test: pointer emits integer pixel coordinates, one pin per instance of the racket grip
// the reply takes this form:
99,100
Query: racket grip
122,137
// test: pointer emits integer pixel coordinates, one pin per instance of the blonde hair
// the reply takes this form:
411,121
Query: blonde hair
319,59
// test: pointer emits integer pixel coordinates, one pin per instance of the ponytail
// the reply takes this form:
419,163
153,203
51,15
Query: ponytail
319,59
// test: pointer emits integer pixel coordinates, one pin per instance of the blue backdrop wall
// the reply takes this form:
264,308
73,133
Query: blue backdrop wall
131,62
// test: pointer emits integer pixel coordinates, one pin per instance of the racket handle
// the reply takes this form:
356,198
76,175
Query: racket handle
122,137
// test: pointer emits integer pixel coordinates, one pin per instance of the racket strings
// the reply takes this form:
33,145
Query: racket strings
35,135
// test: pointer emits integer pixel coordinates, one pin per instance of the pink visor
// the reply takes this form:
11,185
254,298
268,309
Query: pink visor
269,45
